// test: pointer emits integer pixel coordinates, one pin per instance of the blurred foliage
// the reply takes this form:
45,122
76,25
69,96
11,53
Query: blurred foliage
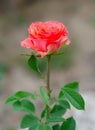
21,19
63,61
92,21
42,64
10,5
1,44
3,69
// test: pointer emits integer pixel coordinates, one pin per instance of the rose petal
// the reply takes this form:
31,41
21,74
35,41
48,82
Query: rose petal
46,37
26,43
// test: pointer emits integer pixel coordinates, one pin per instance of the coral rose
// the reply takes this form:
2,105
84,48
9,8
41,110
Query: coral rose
46,37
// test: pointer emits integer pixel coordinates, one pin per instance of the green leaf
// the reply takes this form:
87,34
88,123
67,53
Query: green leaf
24,105
29,106
55,119
32,62
43,113
19,95
35,127
56,127
57,111
29,121
24,94
61,95
44,127
69,124
64,104
75,98
72,85
18,107
11,99
44,96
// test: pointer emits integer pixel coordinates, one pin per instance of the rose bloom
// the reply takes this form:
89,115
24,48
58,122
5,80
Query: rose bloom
46,37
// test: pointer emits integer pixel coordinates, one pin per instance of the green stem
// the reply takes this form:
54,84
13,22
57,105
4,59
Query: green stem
48,76
37,55
48,84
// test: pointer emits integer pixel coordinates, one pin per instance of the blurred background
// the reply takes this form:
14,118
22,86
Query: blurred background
77,63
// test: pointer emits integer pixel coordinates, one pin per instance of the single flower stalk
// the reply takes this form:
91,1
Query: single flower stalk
44,40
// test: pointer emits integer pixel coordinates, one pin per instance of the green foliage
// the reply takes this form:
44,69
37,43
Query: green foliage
24,105
32,62
20,19
57,111
19,96
68,124
35,127
63,61
70,92
44,96
56,127
29,121
75,98
92,21
11,99
44,127
3,69
55,119
64,104
17,106
43,113
24,94
72,85
20,103
61,95
42,64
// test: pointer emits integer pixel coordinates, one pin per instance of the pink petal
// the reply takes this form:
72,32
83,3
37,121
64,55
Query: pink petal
43,54
52,48
64,40
28,43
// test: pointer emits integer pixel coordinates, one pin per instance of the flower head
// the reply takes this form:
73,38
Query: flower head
46,37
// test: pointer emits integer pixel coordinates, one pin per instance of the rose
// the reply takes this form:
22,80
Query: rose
46,37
